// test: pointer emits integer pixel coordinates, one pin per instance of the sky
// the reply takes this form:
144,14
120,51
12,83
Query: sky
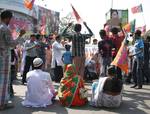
93,11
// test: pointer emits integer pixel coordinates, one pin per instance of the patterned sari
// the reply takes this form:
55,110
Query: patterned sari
71,91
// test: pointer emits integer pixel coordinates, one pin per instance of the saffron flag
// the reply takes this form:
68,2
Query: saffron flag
137,9
121,59
29,4
130,27
77,16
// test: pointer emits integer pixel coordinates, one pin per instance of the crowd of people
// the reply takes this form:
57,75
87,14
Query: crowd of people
61,58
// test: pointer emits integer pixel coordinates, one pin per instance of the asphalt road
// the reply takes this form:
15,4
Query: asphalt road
134,102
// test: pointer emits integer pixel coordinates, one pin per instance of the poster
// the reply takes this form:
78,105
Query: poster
114,17
48,21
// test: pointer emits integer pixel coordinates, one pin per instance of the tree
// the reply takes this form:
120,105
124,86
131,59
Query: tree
64,21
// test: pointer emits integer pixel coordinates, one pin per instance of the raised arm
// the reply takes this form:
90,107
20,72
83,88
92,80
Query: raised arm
89,30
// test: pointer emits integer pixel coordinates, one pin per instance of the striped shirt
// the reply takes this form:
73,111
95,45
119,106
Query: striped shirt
78,42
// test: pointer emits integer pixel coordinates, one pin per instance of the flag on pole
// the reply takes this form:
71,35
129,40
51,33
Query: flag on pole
137,9
130,27
121,59
76,14
29,4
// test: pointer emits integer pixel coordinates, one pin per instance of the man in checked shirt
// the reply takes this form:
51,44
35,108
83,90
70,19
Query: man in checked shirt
78,46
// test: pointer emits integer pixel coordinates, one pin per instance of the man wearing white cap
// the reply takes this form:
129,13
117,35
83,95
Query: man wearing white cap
40,90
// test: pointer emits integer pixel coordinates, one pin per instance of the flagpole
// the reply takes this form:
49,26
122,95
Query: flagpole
143,18
112,2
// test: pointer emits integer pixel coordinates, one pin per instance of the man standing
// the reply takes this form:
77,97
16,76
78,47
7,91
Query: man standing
31,54
117,40
41,50
138,59
6,43
57,62
105,48
78,46
40,90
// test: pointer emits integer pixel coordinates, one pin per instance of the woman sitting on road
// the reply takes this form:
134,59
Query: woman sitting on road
107,91
71,91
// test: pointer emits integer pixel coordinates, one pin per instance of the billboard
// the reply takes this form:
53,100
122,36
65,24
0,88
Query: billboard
48,21
114,17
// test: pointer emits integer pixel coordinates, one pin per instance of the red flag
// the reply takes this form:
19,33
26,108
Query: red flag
78,18
29,4
121,59
137,9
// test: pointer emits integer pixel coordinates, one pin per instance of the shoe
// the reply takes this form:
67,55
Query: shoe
133,86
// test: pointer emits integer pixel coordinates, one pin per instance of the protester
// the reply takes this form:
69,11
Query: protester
67,57
31,54
130,62
146,68
105,48
138,58
95,42
90,70
40,90
107,91
41,50
71,91
6,43
78,46
117,40
57,62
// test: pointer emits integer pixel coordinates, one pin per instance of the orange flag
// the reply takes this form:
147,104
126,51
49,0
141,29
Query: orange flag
77,16
121,59
29,4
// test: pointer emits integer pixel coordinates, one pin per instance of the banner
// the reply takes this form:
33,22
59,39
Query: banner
137,9
114,17
20,21
48,21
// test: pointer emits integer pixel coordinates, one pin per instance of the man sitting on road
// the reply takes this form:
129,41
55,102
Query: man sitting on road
40,90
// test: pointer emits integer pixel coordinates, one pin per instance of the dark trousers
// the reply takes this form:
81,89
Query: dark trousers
137,71
105,63
13,75
58,72
145,71
28,64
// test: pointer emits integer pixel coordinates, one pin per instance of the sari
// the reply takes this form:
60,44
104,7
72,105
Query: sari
71,91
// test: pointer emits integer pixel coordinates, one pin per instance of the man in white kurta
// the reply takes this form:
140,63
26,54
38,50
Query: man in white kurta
40,90
57,62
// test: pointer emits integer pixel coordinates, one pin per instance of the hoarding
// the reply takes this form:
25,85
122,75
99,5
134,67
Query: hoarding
114,17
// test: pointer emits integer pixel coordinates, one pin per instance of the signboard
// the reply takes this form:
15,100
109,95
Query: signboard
114,17
48,21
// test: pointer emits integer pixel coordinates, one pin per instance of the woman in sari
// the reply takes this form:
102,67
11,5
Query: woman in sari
71,91
107,92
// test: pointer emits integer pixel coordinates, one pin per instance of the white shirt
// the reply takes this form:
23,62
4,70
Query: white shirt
40,89
57,49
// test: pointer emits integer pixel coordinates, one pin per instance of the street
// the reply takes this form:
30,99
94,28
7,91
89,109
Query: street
134,102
